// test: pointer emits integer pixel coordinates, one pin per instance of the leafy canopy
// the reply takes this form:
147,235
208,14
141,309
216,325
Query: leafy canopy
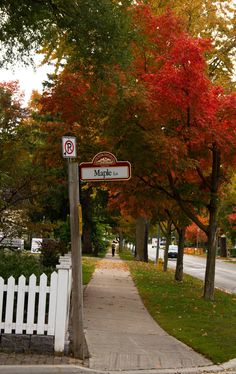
91,33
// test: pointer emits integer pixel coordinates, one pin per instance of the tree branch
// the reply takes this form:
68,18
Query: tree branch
186,209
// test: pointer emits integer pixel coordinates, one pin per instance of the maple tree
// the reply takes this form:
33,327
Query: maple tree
198,121
214,20
192,120
195,236
70,105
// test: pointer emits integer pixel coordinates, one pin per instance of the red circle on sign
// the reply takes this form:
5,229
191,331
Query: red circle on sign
69,147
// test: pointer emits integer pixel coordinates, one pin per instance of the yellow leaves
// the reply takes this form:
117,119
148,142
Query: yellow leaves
106,264
204,333
214,20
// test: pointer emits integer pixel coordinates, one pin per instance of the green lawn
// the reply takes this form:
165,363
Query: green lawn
88,267
208,327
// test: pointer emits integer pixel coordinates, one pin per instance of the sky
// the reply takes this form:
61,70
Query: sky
29,77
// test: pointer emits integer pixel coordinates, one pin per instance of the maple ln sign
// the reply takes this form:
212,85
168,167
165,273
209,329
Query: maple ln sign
105,167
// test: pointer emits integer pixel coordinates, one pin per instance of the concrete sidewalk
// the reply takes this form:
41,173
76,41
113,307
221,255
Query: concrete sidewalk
120,333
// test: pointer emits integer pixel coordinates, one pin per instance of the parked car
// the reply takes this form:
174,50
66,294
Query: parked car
173,251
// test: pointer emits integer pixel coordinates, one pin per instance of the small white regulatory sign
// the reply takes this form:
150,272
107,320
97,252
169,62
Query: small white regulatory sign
69,147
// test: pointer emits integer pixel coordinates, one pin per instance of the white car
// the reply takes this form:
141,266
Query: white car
173,251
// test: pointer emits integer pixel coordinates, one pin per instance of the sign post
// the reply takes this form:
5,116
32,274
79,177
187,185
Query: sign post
78,340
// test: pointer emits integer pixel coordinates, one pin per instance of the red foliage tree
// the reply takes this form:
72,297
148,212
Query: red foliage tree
198,123
195,235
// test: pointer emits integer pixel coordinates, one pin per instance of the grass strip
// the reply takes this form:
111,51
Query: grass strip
88,267
178,307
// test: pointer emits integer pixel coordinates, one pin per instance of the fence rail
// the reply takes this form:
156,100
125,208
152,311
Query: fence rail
41,309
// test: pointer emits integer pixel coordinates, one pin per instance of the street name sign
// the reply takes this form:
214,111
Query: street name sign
105,167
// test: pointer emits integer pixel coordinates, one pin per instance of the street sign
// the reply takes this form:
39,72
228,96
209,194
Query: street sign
105,167
69,147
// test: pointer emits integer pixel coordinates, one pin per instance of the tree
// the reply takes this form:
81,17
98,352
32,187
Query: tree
197,121
227,216
14,164
212,20
194,235
192,119
70,105
179,220
88,33
141,239
21,179
96,219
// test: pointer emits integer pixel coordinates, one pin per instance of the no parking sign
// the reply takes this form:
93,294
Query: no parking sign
69,147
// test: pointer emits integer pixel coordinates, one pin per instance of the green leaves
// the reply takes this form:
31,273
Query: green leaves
87,33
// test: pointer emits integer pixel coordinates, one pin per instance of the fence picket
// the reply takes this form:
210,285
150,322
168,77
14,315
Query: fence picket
1,300
9,305
20,305
31,304
61,311
42,304
52,303
68,299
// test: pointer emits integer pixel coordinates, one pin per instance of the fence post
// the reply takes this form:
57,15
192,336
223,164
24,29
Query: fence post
61,323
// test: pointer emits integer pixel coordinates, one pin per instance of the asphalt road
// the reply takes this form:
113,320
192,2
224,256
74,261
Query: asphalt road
225,277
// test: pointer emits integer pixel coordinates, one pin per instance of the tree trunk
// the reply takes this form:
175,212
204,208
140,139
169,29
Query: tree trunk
87,239
141,239
168,242
223,246
121,247
87,246
179,264
209,286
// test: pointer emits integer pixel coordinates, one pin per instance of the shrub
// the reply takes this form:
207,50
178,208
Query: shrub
99,244
17,263
51,251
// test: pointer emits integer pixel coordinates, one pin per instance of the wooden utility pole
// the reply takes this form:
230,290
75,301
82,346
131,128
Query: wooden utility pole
77,285
78,337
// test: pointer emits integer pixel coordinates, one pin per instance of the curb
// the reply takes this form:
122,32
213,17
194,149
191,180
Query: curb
64,369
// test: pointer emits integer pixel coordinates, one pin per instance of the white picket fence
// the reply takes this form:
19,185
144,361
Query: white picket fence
41,309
